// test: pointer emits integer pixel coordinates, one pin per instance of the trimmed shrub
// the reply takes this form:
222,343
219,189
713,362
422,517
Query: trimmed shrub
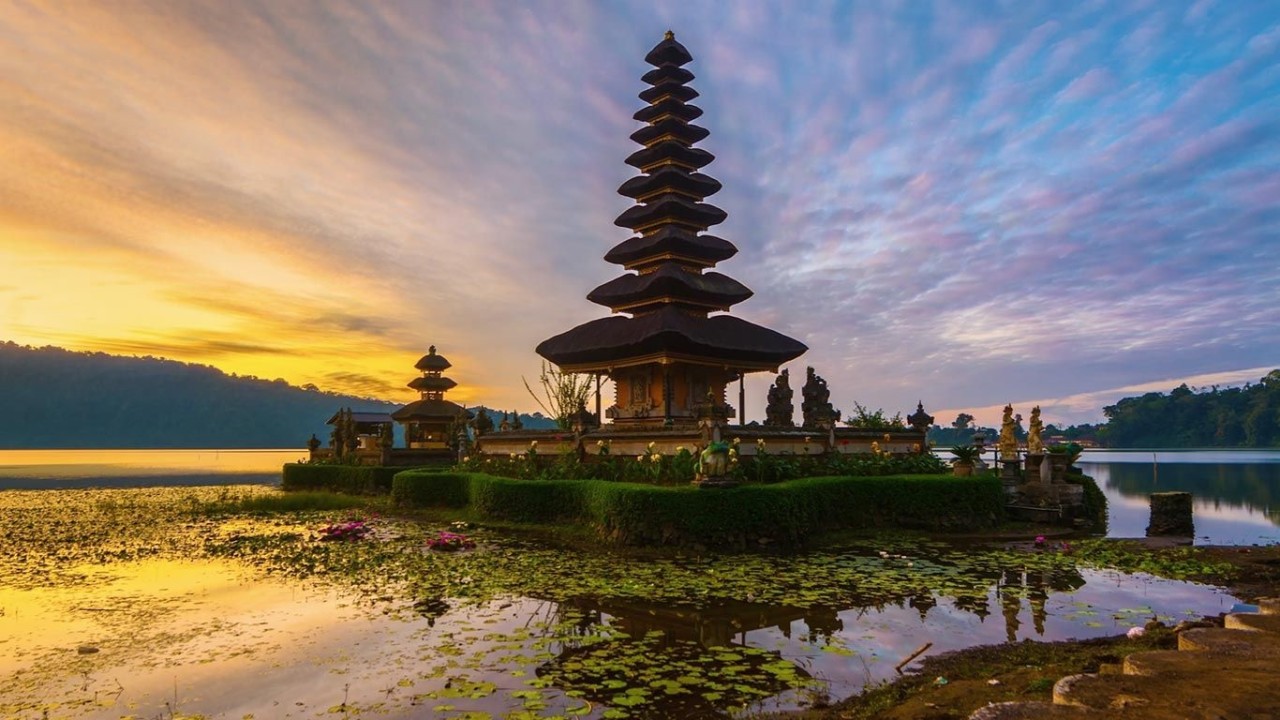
350,479
786,513
431,488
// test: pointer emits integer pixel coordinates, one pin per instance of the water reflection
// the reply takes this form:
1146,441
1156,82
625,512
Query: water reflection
38,469
1237,494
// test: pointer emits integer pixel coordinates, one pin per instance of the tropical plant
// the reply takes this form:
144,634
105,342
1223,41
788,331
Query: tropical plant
965,453
865,419
562,393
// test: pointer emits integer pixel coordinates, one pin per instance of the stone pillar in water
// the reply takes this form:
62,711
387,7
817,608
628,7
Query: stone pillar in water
1171,515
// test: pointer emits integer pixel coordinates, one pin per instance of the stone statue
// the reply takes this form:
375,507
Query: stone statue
713,461
313,444
816,407
780,410
920,420
1008,440
1035,446
505,425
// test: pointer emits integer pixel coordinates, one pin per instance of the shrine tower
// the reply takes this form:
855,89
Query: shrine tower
671,360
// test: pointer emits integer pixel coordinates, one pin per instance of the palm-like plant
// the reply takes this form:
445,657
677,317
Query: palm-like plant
965,453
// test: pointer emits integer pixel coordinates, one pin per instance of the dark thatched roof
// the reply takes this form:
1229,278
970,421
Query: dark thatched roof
671,241
670,106
722,338
670,150
430,410
703,289
432,384
671,207
670,178
668,52
433,362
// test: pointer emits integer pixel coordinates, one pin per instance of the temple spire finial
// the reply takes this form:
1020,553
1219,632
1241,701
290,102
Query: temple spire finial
669,36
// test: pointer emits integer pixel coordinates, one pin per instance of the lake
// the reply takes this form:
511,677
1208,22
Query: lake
137,602
1237,492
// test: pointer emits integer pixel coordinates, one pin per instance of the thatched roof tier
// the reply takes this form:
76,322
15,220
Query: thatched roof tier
669,334
670,128
670,179
668,52
670,107
431,362
669,152
671,208
430,410
671,243
432,383
670,283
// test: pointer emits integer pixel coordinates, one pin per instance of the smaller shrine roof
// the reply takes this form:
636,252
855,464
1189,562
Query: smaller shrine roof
433,362
430,410
432,384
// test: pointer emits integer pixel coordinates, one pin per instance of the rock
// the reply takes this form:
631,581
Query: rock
86,650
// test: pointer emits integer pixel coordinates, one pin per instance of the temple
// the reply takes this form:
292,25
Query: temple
430,423
672,358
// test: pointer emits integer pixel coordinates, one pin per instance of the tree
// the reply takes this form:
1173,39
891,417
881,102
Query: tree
562,393
962,421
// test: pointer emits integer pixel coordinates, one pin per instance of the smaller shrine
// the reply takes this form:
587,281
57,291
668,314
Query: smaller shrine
431,422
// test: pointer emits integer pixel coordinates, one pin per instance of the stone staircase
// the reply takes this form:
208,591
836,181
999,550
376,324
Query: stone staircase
1227,673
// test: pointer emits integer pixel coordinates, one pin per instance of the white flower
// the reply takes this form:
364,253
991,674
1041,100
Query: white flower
652,445
513,456
599,443
640,457
533,444
1135,633
656,457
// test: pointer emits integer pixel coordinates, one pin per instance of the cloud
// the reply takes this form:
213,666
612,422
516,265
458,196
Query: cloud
944,203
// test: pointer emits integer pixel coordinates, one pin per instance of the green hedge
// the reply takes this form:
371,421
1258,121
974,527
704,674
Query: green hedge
350,479
783,512
427,488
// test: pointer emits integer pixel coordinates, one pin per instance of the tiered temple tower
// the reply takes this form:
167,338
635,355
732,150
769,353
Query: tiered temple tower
427,421
671,360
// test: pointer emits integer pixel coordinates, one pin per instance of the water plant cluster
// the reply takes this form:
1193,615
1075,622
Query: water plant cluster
584,655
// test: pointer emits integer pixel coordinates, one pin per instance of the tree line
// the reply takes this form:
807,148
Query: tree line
1185,417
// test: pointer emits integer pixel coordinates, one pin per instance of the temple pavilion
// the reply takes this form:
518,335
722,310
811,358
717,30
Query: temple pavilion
429,420
669,354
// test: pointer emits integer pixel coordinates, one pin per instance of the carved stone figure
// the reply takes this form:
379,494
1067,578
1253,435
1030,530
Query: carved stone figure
781,410
505,425
713,461
816,406
1035,446
1008,440
920,420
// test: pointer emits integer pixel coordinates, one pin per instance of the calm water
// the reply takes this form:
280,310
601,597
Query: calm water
1237,492
213,636
36,469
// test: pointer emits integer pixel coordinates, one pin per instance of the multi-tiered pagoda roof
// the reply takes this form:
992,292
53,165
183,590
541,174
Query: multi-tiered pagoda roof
670,291
432,386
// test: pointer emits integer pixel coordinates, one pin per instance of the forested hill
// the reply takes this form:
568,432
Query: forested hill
1246,416
55,398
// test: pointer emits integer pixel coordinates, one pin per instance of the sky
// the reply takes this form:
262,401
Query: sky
963,203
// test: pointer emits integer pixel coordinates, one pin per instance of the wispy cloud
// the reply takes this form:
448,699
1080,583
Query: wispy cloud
945,203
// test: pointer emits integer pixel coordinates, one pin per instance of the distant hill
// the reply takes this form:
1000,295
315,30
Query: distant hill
55,398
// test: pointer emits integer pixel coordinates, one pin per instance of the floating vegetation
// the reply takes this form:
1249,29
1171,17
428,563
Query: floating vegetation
521,626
